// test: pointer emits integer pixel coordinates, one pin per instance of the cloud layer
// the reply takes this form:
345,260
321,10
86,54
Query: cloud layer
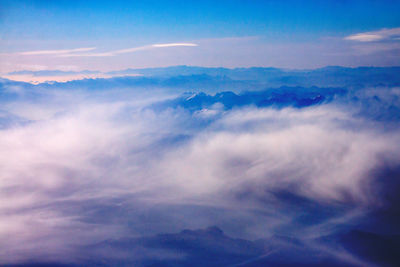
89,166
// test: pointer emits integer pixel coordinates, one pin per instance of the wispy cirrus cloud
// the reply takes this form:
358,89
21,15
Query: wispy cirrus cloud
374,36
56,52
173,44
127,50
79,52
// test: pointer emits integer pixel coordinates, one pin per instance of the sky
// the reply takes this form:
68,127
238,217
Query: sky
285,34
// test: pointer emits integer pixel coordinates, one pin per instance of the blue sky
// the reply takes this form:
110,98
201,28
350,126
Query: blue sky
275,28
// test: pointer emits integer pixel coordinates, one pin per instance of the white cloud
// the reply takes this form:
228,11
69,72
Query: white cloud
174,44
365,37
56,52
373,36
306,148
128,50
101,145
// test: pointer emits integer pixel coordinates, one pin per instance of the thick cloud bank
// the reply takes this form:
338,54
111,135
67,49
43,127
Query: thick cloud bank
88,176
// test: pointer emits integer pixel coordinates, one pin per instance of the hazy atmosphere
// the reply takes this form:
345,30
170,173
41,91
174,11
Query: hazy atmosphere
209,133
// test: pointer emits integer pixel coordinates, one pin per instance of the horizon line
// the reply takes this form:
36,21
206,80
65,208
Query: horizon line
197,66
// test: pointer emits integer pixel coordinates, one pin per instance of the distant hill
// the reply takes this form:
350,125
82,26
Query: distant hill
257,77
